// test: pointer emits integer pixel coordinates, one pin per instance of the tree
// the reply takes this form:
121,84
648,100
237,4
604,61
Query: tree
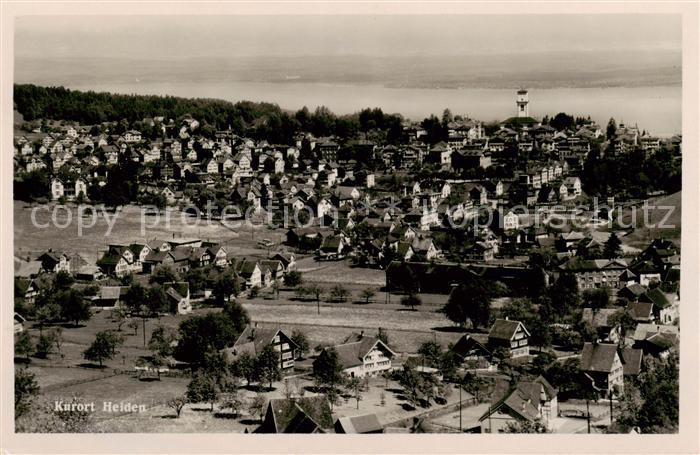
540,333
526,426
202,389
566,376
157,301
596,298
226,284
237,315
103,348
63,281
469,301
411,300
161,341
431,352
45,313
316,291
26,389
564,294
44,346
446,117
163,274
367,294
57,337
230,400
519,309
411,383
74,419
328,372
134,297
134,325
354,386
448,364
199,335
23,345
299,338
611,129
267,365
562,121
474,384
177,403
245,367
257,405
119,316
73,306
612,247
624,319
655,408
383,335
339,293
293,279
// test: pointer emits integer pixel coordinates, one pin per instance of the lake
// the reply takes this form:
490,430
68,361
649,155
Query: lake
656,109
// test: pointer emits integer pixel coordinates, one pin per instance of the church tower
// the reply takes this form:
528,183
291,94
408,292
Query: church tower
522,101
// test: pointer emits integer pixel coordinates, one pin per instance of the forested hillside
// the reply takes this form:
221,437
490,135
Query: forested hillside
259,120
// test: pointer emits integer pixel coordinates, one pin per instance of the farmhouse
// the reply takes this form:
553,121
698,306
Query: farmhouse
602,364
299,415
367,356
254,339
511,335
528,401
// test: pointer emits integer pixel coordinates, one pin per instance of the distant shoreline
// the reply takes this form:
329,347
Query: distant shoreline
656,109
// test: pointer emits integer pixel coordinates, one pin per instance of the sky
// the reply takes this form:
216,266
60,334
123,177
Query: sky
176,37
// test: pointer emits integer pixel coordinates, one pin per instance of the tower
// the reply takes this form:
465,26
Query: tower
522,102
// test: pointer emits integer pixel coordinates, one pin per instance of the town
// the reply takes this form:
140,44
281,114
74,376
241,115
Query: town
385,275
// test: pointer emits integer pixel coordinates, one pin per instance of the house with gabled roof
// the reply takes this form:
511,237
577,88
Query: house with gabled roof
27,289
54,262
362,356
665,306
658,344
473,354
511,335
288,261
600,320
109,297
604,365
332,247
641,311
254,339
178,294
218,254
300,415
117,261
363,424
275,267
632,291
646,272
529,401
250,272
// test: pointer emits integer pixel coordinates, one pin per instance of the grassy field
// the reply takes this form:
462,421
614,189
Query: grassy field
643,235
340,272
406,329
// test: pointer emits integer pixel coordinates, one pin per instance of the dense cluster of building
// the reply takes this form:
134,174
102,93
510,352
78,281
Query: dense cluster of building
430,228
